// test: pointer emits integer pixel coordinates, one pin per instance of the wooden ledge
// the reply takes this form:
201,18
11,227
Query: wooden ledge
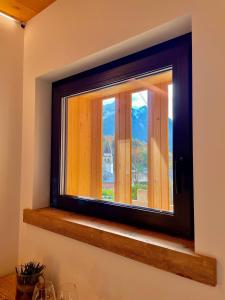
170,254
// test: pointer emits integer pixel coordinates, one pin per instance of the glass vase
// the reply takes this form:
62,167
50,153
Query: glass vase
25,284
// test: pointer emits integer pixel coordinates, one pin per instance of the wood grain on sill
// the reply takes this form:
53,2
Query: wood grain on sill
168,253
8,287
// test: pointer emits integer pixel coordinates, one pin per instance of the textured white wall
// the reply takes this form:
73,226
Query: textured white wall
11,64
72,35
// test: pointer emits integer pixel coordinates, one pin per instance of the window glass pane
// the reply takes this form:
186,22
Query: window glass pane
108,148
119,143
140,148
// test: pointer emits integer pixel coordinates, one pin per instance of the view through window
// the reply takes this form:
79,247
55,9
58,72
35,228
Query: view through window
119,143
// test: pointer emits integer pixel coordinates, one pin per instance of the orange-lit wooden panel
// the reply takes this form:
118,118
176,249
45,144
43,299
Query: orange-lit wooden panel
96,148
123,148
164,148
72,147
158,148
23,10
83,170
154,151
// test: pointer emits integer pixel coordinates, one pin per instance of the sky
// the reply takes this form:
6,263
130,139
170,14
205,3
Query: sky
139,99
108,101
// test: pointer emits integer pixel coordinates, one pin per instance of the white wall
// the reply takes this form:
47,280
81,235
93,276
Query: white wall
67,37
11,64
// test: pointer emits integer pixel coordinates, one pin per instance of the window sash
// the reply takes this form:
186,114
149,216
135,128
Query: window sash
84,133
175,54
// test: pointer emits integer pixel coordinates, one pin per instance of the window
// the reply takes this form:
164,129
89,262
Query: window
118,146
122,140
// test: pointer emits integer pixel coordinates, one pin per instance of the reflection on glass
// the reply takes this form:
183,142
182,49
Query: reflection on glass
139,164
108,148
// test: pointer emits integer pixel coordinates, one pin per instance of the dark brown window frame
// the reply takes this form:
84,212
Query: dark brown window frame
175,54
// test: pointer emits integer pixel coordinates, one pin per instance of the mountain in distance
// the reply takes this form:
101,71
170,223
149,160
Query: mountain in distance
139,123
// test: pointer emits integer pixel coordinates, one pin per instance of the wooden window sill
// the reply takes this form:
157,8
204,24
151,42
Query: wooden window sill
167,253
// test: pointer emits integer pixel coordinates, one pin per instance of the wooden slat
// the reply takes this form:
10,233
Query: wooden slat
23,10
96,149
71,127
154,148
170,254
84,154
123,149
158,150
84,144
164,149
72,148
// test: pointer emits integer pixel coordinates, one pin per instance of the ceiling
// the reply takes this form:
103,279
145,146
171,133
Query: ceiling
23,10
